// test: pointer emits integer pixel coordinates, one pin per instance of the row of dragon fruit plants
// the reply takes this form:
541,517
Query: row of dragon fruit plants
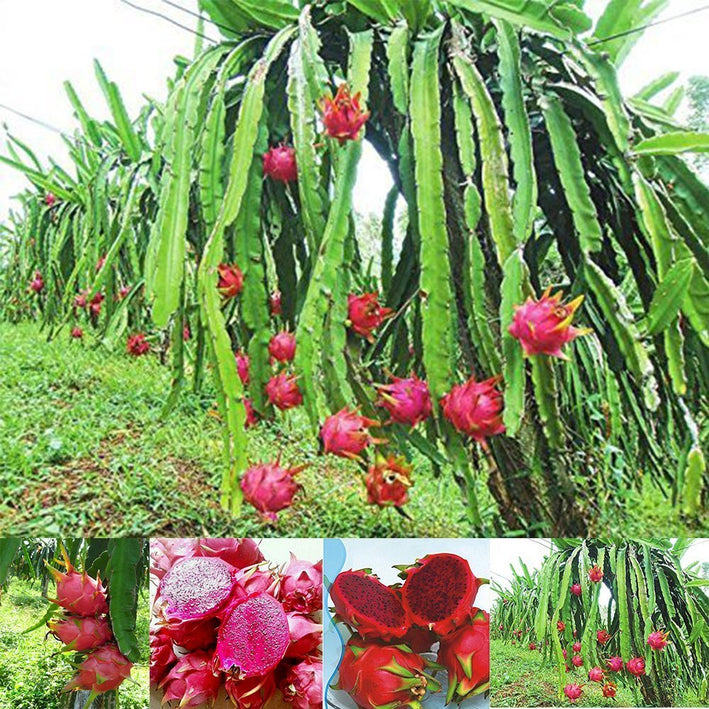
251,261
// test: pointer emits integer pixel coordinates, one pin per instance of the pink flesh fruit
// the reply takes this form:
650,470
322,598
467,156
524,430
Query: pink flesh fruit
253,638
197,587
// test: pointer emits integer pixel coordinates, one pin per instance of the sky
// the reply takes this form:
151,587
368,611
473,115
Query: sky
43,43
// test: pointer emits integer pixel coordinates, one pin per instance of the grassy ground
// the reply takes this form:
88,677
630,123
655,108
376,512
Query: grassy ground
32,671
84,452
522,678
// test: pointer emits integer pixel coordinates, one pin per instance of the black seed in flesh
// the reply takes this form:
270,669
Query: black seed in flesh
435,590
372,599
196,588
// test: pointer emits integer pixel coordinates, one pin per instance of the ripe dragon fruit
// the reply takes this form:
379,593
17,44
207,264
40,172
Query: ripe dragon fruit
78,593
346,434
532,646
438,592
544,326
475,408
282,346
576,647
231,280
408,401
615,664
166,552
81,300
253,580
122,294
466,656
636,666
95,305
50,199
576,589
561,626
77,333
378,676
240,552
137,345
242,366
658,640
388,481
595,574
162,655
102,670
80,633
595,674
283,392
364,603
419,639
301,586
279,164
610,689
305,635
276,303
270,488
343,116
252,417
603,636
251,693
191,681
253,637
195,588
573,692
37,283
301,686
577,661
364,314
193,634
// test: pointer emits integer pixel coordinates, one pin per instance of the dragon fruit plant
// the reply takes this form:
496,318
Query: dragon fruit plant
227,623
393,627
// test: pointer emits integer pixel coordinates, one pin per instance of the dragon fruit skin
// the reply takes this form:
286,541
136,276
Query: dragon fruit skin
251,693
79,593
270,488
595,674
301,586
388,481
240,552
282,346
576,589
137,345
231,280
364,314
305,635
77,333
576,647
475,408
577,661
37,283
615,664
253,637
102,670
243,364
193,634
80,633
573,692
283,392
603,636
466,655
658,640
419,639
636,666
377,675
595,574
165,552
162,655
191,681
279,164
346,434
343,116
369,607
408,401
302,684
253,580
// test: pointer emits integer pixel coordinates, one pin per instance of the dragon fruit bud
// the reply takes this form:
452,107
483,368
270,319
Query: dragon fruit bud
191,681
346,434
305,635
253,637
388,481
50,199
408,401
603,636
595,574
573,692
544,326
242,366
466,656
270,488
561,626
162,655
193,634
137,345
279,164
577,661
240,552
301,686
576,589
615,664
283,392
343,116
165,552
231,280
364,314
377,675
77,333
251,693
37,283
595,674
282,346
657,640
102,670
301,586
252,417
78,593
276,303
576,647
636,666
475,408
610,689
80,633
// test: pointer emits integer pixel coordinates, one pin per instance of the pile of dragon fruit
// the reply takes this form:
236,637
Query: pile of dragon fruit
228,623
393,627
84,627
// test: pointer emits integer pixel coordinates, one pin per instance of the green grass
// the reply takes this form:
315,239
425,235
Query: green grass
33,671
84,451
523,678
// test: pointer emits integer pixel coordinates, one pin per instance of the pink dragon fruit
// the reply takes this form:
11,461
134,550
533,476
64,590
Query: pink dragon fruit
573,692
270,488
95,305
137,345
165,552
475,408
305,635
466,656
615,664
610,689
276,303
81,300
191,681
282,346
577,661
343,116
280,165
253,637
253,580
77,333
78,593
408,401
595,674
252,417
37,283
80,633
636,666
439,591
162,655
240,552
346,434
576,647
658,640
283,392
369,607
242,366
388,481
102,670
560,626
301,586
602,636
231,280
251,693
364,314
193,634
50,199
576,589
544,326
595,574
302,684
